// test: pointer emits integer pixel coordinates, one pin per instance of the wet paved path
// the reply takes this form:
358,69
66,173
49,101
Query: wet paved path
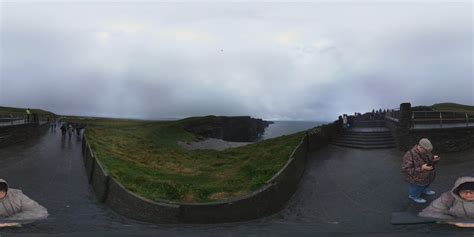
343,192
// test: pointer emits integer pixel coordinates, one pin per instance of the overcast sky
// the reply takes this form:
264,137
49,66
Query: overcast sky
290,61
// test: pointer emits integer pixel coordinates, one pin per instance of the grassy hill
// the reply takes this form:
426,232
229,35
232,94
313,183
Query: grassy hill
21,111
453,107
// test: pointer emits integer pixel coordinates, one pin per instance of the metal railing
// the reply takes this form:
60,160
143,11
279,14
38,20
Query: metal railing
442,118
7,119
11,121
15,118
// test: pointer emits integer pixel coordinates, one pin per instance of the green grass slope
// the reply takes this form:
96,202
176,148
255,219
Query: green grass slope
453,107
146,158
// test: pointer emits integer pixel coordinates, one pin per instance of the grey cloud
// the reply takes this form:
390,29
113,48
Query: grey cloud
278,61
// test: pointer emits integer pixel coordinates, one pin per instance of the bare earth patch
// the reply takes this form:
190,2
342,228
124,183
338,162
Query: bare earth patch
211,144
226,195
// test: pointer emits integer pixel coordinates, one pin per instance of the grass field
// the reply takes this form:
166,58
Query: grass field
453,107
145,158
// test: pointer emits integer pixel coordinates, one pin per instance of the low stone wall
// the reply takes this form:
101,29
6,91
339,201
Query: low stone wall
133,206
321,136
443,139
397,133
267,200
13,134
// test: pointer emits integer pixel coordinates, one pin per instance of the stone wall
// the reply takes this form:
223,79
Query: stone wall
267,200
443,139
321,136
398,133
13,134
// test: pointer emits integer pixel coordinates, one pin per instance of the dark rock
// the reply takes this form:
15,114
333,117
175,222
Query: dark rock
233,129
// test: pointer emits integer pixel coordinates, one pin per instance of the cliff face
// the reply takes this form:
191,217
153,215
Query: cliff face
234,129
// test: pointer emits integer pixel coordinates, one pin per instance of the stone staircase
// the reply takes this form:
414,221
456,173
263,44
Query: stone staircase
380,138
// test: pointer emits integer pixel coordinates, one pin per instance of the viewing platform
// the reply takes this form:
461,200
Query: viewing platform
350,186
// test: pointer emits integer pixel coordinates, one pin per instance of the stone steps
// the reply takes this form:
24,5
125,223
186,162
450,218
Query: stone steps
369,124
374,136
365,140
367,147
355,133
362,141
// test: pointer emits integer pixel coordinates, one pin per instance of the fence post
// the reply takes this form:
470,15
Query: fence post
440,119
467,120
405,113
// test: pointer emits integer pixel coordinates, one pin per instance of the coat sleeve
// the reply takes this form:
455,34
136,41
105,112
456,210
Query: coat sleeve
408,165
439,208
30,210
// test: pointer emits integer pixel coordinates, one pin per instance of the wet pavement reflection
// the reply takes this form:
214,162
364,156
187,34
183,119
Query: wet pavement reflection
343,191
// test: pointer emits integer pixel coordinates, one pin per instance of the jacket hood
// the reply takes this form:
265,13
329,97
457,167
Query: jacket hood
3,181
460,181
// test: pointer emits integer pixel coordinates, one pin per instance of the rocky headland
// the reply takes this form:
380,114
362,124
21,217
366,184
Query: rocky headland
232,129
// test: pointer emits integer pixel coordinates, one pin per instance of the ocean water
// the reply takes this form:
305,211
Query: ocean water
280,128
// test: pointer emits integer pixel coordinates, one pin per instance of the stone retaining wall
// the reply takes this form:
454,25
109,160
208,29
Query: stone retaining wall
13,134
443,139
321,136
267,200
397,133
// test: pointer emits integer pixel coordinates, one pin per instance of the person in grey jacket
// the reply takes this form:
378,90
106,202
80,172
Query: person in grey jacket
14,205
455,204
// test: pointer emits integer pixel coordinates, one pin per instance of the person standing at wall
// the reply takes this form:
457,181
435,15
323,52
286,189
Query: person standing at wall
418,168
344,121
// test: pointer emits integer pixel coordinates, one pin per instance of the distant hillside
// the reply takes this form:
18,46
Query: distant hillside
421,108
13,111
453,107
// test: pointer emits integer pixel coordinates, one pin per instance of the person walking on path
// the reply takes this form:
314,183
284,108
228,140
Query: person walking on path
28,115
14,205
455,204
70,130
63,129
418,168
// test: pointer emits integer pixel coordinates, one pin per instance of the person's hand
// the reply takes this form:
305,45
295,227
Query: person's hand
12,224
426,167
461,224
436,158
